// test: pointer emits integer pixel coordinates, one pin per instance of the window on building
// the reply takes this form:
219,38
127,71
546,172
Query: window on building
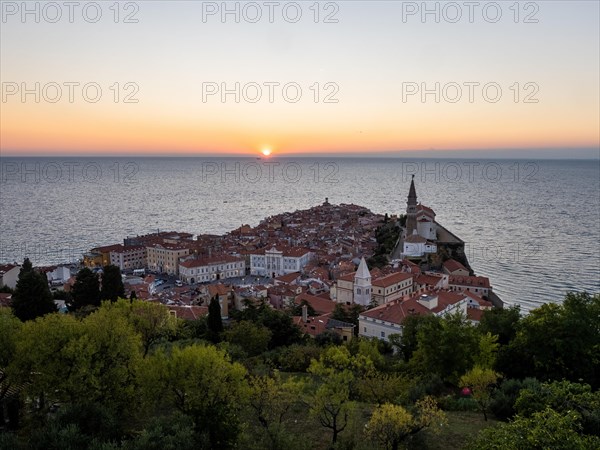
383,334
364,329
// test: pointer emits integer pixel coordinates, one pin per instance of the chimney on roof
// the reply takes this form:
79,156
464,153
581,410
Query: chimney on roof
304,313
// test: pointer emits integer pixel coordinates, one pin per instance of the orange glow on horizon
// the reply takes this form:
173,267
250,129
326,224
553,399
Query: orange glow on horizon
48,130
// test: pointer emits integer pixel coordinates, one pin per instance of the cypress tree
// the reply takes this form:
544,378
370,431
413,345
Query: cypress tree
32,297
214,321
112,284
86,290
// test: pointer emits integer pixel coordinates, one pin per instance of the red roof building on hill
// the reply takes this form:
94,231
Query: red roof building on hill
388,319
290,278
392,287
453,267
220,267
424,282
313,326
319,304
474,314
188,312
476,285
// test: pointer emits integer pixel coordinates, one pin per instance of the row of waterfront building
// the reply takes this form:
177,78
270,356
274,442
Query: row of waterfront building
315,257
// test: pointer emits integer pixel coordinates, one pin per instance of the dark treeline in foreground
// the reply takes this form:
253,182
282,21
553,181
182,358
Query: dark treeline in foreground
127,375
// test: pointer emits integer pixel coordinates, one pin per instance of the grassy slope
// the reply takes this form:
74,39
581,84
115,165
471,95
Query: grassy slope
461,427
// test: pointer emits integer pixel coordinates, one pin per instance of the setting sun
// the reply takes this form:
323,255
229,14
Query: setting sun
266,151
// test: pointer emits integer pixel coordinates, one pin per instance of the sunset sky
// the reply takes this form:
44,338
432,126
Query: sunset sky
363,61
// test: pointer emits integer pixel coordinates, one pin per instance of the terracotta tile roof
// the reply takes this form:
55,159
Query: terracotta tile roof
458,280
391,279
475,314
107,248
427,280
425,210
218,289
6,267
288,278
314,326
396,311
347,277
131,248
206,261
451,265
319,304
189,312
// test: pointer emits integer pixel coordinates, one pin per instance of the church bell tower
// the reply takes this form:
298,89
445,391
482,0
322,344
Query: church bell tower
411,209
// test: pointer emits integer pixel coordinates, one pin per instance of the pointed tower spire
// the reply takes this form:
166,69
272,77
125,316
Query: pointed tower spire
363,270
412,192
362,284
411,209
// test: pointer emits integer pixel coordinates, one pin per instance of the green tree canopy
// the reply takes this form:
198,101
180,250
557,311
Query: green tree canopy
200,382
112,284
70,360
10,327
543,430
557,341
502,322
271,400
562,396
251,337
481,381
32,297
283,330
150,320
446,346
85,291
391,424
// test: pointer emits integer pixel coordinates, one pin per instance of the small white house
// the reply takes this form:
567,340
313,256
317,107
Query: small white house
415,246
59,275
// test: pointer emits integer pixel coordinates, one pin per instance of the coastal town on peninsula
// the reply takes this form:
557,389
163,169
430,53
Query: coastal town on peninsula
384,268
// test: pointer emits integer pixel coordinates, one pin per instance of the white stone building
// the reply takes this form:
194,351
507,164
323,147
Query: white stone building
417,246
200,270
273,263
129,258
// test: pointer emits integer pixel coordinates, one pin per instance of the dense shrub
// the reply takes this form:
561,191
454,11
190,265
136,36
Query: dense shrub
454,403
296,358
503,399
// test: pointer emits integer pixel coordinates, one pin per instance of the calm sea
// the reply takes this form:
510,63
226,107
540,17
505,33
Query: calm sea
531,226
